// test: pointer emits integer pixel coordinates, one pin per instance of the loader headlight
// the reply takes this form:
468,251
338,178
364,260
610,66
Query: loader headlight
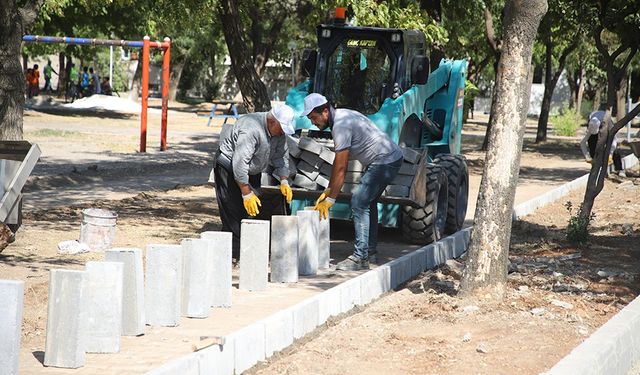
396,37
326,33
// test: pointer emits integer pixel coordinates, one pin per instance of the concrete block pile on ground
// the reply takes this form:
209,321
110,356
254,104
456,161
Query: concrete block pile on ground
254,254
220,244
11,307
102,315
64,346
197,273
133,320
163,285
284,249
308,223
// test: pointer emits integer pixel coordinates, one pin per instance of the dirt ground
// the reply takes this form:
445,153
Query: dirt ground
421,328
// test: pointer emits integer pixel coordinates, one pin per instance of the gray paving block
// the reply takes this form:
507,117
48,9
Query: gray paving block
221,244
349,295
187,365
439,253
249,346
216,359
11,307
310,145
304,182
372,285
197,272
399,271
308,170
102,316
163,285
284,249
325,169
322,181
448,245
324,241
329,304
305,317
418,262
403,180
254,254
327,155
430,257
410,155
64,345
408,169
460,243
278,331
313,159
349,188
292,144
352,177
293,167
308,223
355,166
396,191
267,179
133,320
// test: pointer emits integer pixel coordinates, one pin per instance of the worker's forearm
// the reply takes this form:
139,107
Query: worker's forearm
337,179
244,188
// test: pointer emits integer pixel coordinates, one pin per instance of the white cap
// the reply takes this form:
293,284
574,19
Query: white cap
313,101
284,115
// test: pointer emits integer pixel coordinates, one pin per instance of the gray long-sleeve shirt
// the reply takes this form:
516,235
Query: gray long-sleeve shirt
249,147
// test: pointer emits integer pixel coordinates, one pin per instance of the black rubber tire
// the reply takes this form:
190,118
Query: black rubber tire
455,167
424,225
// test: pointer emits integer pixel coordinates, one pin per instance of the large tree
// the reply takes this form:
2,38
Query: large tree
486,267
559,34
16,16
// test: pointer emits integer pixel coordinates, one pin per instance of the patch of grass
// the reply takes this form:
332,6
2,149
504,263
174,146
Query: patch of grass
45,133
567,123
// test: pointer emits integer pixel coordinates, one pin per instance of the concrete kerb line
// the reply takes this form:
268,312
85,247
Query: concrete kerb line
361,290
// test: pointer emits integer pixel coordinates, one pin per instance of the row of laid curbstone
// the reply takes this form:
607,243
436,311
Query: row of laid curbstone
254,343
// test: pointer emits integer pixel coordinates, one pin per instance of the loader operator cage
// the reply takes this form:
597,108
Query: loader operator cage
358,74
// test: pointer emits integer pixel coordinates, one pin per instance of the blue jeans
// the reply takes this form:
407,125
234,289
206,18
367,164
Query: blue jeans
365,207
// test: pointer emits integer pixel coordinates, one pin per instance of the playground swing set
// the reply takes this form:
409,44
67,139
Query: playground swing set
146,44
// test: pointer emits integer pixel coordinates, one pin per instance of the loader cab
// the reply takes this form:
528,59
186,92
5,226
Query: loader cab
359,67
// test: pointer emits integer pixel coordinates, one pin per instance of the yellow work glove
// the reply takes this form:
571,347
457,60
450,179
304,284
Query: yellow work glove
251,204
322,196
588,160
323,206
286,191
610,160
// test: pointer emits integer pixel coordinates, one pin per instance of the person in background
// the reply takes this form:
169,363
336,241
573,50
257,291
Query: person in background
247,147
590,140
85,81
28,78
48,70
95,82
105,86
356,136
34,83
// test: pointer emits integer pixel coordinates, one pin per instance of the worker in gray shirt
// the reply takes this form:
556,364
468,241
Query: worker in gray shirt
247,147
356,137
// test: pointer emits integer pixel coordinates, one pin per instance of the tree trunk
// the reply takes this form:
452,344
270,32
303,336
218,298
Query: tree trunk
485,142
177,67
581,78
486,268
12,78
254,92
621,96
597,99
549,86
62,74
572,80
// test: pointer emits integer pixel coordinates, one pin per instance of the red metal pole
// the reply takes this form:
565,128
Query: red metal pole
145,94
165,93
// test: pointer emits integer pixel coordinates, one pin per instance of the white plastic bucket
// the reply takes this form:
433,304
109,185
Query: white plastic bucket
98,228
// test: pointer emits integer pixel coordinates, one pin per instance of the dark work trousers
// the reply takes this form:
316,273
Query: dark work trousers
617,158
230,203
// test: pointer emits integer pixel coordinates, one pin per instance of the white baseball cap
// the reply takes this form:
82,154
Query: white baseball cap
313,101
284,115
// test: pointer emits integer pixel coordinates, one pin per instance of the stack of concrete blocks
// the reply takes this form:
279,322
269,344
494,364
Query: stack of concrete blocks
197,259
324,241
163,285
64,345
308,244
254,254
220,244
284,249
311,161
12,297
133,320
102,315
